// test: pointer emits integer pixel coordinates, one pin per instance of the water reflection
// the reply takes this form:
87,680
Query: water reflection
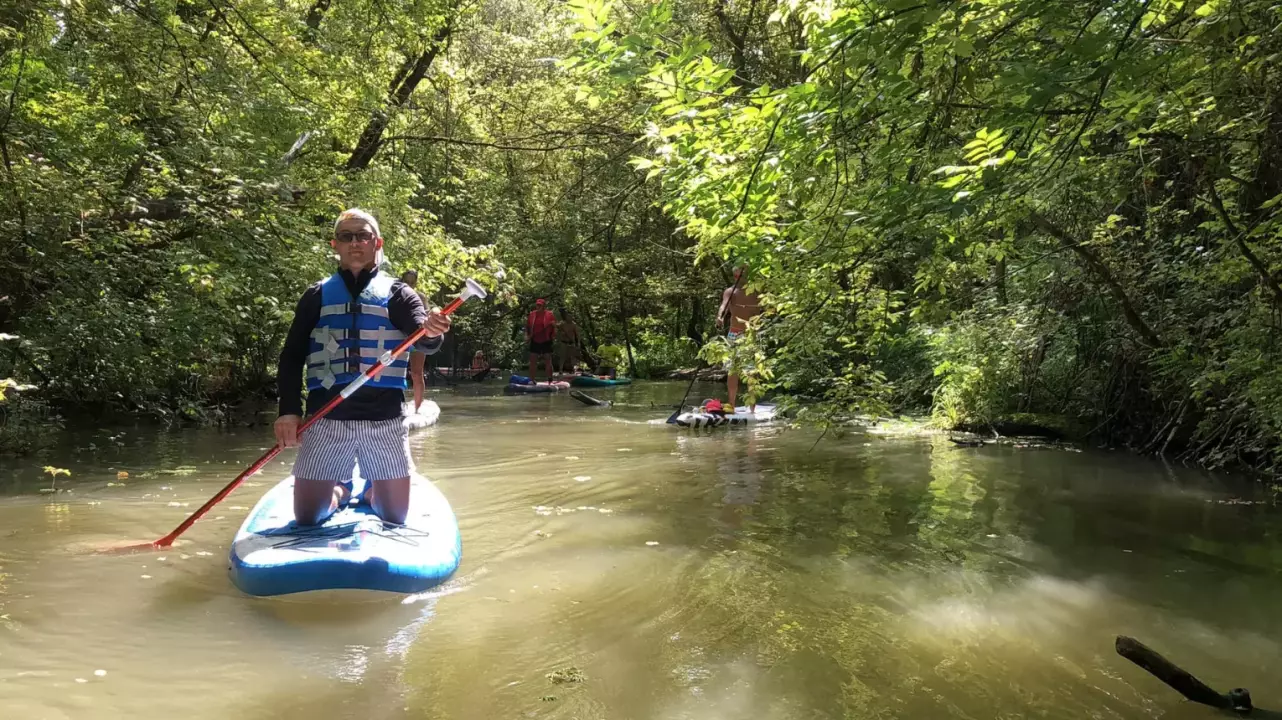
746,573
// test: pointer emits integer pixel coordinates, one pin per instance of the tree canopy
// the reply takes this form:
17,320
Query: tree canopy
984,209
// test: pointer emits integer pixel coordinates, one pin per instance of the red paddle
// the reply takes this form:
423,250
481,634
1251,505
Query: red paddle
471,290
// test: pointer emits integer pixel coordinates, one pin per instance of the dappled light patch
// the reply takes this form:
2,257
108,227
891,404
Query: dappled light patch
1040,609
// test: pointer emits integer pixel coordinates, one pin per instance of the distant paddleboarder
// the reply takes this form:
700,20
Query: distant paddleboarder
742,307
540,332
568,340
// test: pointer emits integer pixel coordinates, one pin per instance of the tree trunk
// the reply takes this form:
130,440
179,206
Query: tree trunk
1097,266
627,336
589,333
403,87
692,328
999,280
736,38
314,17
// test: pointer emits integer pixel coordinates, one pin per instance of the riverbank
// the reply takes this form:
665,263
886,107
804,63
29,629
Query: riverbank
36,426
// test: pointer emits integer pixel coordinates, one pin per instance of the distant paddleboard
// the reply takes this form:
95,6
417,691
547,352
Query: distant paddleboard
741,416
427,415
598,381
523,389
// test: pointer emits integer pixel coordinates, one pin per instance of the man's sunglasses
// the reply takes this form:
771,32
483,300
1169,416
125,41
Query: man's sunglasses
363,236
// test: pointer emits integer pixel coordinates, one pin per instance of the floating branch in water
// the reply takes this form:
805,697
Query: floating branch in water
588,399
1238,700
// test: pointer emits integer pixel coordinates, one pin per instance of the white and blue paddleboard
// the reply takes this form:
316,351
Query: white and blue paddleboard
427,415
352,549
741,416
523,389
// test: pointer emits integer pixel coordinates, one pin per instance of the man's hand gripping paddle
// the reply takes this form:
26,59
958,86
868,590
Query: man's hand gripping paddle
470,290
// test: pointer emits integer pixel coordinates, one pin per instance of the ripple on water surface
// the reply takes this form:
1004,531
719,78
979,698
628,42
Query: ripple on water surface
618,569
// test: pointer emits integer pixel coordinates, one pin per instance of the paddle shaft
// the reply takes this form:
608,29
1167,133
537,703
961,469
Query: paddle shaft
365,377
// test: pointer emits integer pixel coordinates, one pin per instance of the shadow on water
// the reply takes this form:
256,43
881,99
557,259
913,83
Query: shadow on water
897,565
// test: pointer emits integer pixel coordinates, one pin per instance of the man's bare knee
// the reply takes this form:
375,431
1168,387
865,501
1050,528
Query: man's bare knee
392,501
313,500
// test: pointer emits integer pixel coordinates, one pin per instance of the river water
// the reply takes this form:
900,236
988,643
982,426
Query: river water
735,573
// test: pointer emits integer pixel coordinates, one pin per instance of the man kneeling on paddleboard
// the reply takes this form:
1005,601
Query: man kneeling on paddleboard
342,325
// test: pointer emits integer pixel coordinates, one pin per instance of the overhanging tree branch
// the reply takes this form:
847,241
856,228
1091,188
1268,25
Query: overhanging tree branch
371,139
497,145
1097,266
1239,238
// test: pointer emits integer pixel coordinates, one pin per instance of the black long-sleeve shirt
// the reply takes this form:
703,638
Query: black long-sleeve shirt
405,310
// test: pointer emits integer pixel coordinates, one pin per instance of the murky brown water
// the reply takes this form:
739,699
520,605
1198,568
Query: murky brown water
872,577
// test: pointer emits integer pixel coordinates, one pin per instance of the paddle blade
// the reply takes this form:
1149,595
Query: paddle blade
130,549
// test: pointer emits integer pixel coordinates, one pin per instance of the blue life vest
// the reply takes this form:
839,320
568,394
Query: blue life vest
350,337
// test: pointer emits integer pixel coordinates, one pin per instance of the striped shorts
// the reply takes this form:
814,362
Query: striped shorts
330,450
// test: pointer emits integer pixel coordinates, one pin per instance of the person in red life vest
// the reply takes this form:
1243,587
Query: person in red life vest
540,332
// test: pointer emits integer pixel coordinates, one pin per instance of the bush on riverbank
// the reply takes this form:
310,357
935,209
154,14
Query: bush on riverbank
1081,211
27,424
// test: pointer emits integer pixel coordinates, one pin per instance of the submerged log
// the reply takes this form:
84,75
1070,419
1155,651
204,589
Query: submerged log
587,399
1237,700
1012,428
713,374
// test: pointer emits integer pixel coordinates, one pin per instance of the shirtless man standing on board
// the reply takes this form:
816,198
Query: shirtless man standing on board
742,306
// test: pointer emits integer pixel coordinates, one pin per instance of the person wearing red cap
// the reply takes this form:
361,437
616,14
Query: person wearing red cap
540,331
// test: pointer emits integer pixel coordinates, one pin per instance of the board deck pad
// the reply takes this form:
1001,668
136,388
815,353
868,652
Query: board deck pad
352,549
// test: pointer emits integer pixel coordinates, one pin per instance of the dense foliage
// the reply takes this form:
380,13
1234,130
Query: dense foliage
170,169
995,206
989,209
